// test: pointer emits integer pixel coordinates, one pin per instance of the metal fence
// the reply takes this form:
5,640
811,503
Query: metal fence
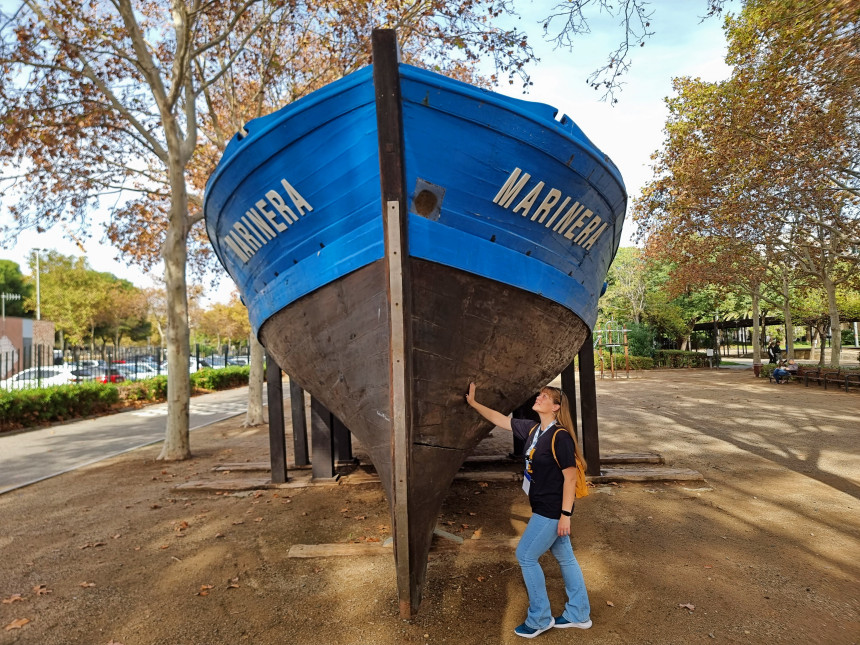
42,366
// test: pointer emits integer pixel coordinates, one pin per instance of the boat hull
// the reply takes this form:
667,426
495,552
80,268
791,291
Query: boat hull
463,329
398,235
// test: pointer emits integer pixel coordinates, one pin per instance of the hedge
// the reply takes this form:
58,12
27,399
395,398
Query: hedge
22,408
678,358
636,362
35,406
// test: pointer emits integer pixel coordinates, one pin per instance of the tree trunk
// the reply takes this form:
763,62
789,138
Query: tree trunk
835,325
756,331
175,251
789,323
254,416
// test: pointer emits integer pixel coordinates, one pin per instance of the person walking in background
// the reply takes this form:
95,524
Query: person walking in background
771,354
549,480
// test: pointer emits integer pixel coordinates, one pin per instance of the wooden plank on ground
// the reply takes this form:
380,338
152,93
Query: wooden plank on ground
338,550
632,458
653,474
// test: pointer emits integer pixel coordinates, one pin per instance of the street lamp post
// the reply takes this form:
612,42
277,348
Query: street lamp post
38,294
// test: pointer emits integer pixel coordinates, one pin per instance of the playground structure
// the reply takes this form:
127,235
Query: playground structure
610,337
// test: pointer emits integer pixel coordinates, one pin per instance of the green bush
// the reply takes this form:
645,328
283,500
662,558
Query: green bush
153,389
640,340
221,379
678,358
636,362
21,408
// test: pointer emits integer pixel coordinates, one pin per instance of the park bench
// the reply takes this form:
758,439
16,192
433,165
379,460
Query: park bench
821,376
852,377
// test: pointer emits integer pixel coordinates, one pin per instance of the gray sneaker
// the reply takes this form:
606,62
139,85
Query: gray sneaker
563,623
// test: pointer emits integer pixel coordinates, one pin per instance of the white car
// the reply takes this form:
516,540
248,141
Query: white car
138,372
39,377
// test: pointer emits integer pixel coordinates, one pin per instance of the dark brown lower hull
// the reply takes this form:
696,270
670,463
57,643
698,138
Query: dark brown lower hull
335,343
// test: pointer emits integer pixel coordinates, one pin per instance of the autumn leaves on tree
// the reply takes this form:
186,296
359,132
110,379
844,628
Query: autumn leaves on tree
758,179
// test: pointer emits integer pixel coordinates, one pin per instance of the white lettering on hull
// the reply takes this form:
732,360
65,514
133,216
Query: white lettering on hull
577,223
265,220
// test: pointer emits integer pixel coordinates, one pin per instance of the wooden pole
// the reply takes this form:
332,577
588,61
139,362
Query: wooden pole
300,424
389,116
277,438
568,386
322,444
588,406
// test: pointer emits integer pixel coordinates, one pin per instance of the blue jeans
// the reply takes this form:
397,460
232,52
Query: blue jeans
541,534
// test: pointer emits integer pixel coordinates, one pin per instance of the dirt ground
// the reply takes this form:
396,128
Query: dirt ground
765,550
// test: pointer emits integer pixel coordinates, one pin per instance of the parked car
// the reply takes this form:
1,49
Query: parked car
100,374
44,376
192,365
137,371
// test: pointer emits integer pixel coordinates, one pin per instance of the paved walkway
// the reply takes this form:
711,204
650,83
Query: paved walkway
29,457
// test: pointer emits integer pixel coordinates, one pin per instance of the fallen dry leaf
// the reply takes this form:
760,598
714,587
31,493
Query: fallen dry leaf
88,584
42,590
204,590
113,642
219,535
483,484
15,597
18,623
709,566
238,522
688,605
258,519
481,578
610,603
117,536
183,524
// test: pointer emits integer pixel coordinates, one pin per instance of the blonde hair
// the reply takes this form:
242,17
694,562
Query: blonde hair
564,417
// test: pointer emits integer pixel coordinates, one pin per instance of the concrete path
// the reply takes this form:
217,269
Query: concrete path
28,457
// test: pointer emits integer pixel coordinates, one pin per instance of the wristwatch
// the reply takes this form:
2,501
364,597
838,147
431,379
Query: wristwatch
566,513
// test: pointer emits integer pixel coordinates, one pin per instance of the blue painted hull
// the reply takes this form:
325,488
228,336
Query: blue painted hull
458,139
513,219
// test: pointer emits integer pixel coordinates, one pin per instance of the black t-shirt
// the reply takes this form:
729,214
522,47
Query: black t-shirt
545,493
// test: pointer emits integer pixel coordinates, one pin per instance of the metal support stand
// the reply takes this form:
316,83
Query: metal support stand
277,438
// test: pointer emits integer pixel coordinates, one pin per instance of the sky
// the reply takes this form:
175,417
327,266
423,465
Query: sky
629,131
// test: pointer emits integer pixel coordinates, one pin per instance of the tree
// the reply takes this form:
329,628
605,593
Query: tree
73,296
627,286
126,315
764,165
12,281
116,98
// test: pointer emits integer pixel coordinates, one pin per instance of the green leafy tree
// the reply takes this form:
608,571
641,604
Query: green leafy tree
12,281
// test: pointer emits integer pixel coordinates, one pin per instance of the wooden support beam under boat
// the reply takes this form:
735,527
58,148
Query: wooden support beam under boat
300,424
588,405
277,437
386,80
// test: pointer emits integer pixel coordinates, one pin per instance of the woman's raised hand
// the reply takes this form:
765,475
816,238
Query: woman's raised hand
470,395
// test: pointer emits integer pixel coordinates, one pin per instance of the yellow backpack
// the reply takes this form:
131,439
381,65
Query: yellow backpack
581,488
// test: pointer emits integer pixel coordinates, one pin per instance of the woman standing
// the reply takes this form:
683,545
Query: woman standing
549,480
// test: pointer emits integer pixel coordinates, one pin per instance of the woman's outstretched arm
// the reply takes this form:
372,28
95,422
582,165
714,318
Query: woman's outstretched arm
488,413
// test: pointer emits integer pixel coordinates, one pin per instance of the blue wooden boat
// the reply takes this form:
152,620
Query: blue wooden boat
398,234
